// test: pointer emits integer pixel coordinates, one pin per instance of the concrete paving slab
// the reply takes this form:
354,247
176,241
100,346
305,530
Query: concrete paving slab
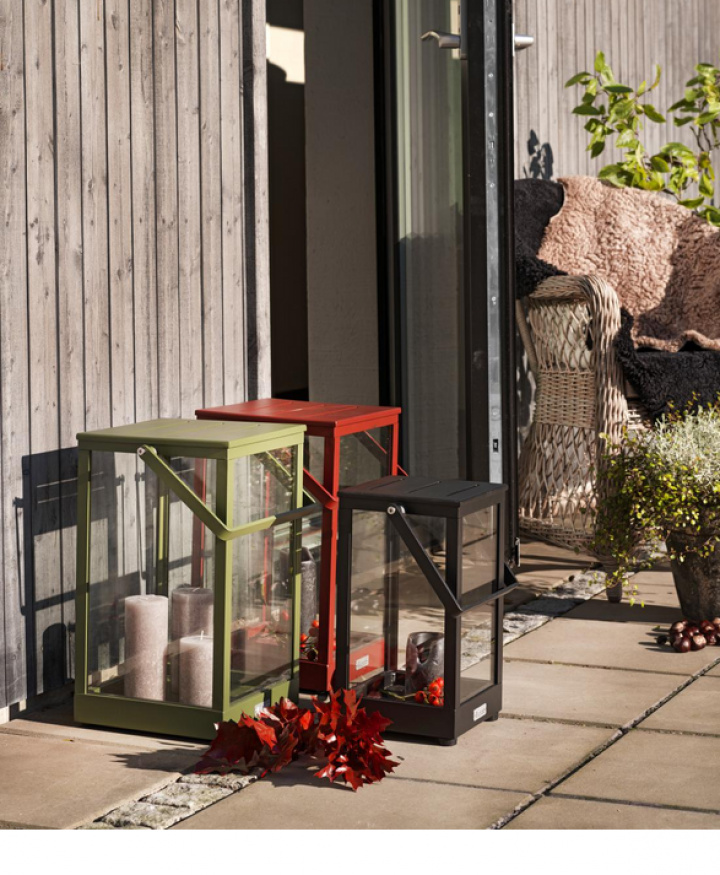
508,754
714,672
695,709
544,566
556,812
609,645
599,608
595,695
57,783
294,799
58,722
654,767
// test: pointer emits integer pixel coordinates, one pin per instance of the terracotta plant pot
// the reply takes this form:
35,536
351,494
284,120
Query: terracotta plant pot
697,579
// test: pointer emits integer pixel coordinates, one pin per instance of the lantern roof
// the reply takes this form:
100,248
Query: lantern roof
205,434
314,413
423,494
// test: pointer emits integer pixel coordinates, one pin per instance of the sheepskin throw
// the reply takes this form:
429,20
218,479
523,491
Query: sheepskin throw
662,260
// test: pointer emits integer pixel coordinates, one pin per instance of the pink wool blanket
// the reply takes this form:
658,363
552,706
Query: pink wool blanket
662,260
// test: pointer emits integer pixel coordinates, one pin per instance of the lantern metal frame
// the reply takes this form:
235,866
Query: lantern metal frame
331,422
452,500
155,442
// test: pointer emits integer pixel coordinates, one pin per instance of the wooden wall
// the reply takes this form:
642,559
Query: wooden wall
133,262
635,35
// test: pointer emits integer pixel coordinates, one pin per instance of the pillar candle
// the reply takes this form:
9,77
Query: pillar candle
192,614
196,671
146,633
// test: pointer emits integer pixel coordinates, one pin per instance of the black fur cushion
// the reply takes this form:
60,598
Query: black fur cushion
536,202
688,378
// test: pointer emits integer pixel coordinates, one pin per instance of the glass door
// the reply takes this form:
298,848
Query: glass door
429,238
449,114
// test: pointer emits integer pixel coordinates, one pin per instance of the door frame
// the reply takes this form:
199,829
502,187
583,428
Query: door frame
489,275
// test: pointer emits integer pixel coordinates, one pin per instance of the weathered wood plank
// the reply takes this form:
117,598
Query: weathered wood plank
95,218
166,203
71,380
232,201
120,229
257,221
189,207
14,398
211,205
143,214
42,463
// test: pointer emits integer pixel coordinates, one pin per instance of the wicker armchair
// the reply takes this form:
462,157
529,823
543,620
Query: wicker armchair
567,326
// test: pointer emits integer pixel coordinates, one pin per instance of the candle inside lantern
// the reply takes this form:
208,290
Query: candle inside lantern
146,628
192,614
196,670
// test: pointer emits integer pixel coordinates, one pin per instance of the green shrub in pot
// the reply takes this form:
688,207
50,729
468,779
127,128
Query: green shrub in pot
663,486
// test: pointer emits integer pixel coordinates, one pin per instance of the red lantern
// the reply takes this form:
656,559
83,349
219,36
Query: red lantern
345,445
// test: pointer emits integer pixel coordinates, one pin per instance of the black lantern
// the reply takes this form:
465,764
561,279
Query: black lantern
421,581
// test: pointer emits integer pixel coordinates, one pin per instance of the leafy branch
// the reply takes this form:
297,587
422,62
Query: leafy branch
615,110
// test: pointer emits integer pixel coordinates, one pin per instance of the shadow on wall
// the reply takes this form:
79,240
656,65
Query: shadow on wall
540,165
49,520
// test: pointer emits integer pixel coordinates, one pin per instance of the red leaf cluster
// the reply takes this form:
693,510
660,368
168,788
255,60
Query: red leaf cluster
351,741
340,733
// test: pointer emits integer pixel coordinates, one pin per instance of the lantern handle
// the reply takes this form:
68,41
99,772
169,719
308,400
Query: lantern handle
175,484
427,566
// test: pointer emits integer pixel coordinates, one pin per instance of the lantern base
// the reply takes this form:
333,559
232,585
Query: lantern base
171,718
441,725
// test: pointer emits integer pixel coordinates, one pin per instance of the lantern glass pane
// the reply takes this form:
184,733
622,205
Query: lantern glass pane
263,485
261,621
151,575
477,645
397,621
314,457
310,571
365,456
479,554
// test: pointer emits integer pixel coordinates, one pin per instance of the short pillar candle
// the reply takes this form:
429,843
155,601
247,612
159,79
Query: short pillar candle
191,614
146,630
196,671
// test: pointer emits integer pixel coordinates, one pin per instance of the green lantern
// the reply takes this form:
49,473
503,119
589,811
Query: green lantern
188,562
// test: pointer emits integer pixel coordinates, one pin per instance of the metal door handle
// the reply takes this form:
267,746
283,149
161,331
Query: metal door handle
522,41
444,40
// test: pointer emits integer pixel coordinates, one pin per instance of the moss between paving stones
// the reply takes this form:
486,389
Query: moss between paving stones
191,796
146,814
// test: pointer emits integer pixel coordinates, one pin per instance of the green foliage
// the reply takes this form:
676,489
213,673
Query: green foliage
618,111
659,482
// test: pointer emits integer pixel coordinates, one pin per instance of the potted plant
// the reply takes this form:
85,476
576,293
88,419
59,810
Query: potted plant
663,486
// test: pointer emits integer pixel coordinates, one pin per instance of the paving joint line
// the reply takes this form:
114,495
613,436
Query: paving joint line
586,665
49,736
564,721
459,784
660,805
601,748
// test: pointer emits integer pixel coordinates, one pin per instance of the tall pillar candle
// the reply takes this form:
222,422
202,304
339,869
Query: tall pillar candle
192,614
146,634
196,671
